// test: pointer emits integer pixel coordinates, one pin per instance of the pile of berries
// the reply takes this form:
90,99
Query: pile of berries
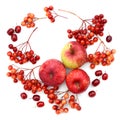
105,58
29,20
61,100
49,13
89,31
13,33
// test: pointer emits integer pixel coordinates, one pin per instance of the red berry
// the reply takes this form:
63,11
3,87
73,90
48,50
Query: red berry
95,82
14,37
10,31
40,104
36,97
105,76
98,72
109,38
18,29
92,93
23,95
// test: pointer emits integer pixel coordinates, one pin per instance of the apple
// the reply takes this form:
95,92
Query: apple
52,72
73,55
77,81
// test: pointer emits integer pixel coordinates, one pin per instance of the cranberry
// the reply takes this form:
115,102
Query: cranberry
105,76
109,38
36,97
14,37
10,31
95,82
40,104
98,72
18,29
23,95
92,93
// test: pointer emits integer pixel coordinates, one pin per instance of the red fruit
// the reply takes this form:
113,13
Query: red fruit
92,93
95,82
98,72
14,37
10,31
77,81
105,76
40,104
18,29
36,97
52,72
23,95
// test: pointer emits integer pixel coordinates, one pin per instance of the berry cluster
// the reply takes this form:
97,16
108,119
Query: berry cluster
12,32
88,33
61,102
22,53
105,57
96,81
29,20
49,13
22,57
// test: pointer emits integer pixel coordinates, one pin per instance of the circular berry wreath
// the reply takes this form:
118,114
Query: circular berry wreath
90,32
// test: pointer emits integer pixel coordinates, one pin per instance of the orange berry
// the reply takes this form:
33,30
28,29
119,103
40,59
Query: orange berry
31,15
23,23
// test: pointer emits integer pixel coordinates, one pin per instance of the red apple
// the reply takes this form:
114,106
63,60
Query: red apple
52,72
73,55
77,81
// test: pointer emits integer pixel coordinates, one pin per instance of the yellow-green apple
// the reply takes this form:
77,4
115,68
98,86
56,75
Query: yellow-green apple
52,72
77,81
73,55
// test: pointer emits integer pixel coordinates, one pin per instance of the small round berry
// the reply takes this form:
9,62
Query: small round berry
92,93
14,37
98,72
36,97
18,29
23,95
95,82
40,104
105,76
109,38
10,31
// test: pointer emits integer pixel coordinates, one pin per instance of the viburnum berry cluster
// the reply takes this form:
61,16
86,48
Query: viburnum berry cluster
52,73
22,53
89,30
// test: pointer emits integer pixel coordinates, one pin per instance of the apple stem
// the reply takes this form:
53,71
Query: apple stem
71,49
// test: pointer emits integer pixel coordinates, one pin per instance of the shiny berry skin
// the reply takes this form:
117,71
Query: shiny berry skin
14,37
18,29
105,76
98,72
10,31
92,93
109,38
36,97
23,95
95,82
40,104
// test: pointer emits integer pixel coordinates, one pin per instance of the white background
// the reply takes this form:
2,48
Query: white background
48,41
